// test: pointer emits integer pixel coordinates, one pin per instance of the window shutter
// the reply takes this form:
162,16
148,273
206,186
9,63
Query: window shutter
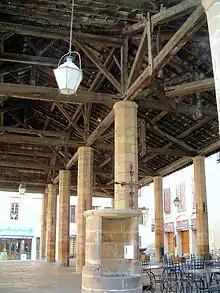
182,196
167,201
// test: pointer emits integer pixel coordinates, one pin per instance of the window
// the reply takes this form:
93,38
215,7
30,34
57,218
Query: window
72,214
167,201
14,211
180,193
96,207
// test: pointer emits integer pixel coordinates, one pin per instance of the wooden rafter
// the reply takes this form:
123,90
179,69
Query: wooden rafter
98,64
139,57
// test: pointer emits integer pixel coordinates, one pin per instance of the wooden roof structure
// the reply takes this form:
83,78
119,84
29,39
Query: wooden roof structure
155,52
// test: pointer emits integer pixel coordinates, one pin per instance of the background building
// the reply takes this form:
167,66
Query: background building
180,223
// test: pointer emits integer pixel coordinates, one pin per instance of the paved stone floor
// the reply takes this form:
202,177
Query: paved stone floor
37,277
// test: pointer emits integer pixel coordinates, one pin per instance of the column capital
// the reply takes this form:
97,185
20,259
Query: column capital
85,150
125,104
208,3
199,158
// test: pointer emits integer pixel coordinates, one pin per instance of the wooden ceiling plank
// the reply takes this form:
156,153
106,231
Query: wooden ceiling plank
49,33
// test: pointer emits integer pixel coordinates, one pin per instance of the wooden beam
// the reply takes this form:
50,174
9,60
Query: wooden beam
15,151
105,162
167,151
17,164
31,131
72,121
98,64
185,89
99,74
50,33
28,59
52,94
175,108
33,182
174,12
139,57
21,139
142,138
124,65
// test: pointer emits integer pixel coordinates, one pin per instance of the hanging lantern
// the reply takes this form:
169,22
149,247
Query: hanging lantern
176,202
22,189
68,75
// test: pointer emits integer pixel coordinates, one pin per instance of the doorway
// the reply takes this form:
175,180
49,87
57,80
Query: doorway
185,242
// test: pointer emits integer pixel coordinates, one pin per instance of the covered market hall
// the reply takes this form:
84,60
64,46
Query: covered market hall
99,99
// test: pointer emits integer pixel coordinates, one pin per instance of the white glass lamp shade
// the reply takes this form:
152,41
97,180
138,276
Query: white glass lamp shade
68,77
176,202
22,189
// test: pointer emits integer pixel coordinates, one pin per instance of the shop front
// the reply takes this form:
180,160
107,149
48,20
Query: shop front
169,230
182,228
15,243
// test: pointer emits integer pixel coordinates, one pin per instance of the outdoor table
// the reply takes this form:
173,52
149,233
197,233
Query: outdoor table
206,275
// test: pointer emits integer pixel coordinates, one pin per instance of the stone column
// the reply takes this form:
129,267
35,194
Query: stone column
201,206
159,222
51,223
64,216
43,227
126,155
212,9
84,193
33,248
113,202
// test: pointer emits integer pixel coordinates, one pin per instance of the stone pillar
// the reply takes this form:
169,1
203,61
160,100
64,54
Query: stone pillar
126,155
84,193
64,216
159,222
33,248
212,9
43,227
51,223
113,202
201,206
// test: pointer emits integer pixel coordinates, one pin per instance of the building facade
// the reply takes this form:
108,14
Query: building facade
20,218
180,222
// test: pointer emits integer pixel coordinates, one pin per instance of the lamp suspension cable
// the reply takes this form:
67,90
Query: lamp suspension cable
71,28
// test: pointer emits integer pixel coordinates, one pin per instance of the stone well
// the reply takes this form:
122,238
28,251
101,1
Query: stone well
111,259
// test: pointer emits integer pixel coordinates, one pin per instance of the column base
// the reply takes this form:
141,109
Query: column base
51,260
95,281
63,263
78,269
